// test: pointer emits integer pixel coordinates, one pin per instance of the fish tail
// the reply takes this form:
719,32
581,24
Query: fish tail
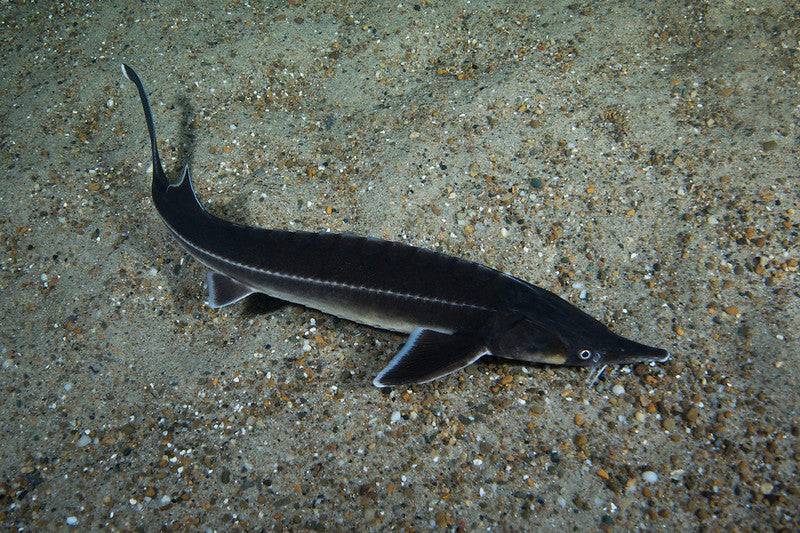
159,177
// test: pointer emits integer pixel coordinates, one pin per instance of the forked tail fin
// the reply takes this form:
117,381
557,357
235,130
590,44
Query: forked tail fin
159,177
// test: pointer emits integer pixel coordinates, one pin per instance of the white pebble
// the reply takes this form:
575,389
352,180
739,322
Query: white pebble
67,387
650,476
72,521
618,389
396,417
85,440
677,475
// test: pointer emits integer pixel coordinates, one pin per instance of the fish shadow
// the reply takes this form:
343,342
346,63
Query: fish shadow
177,280
187,134
261,304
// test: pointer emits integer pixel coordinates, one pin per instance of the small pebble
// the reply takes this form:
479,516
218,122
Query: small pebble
650,476
618,389
768,146
677,475
72,521
85,440
396,417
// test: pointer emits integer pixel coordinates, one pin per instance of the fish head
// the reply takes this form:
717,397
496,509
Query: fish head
605,347
587,343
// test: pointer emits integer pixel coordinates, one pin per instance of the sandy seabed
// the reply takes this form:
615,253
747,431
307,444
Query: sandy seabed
638,159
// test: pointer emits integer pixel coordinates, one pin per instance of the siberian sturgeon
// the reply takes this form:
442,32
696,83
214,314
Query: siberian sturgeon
455,311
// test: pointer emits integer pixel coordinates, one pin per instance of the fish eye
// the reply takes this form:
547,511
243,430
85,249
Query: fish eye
584,354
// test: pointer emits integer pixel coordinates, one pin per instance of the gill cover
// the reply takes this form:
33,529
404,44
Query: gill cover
524,340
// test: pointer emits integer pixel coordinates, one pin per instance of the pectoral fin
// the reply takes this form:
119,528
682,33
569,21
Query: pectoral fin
428,355
223,290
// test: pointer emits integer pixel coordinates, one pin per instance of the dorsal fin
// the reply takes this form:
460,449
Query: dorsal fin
182,192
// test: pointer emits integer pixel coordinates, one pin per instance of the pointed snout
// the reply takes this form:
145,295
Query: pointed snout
630,352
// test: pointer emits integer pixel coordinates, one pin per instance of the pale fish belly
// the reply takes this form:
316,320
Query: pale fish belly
379,308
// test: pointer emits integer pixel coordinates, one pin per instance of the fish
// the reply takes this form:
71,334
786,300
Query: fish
454,311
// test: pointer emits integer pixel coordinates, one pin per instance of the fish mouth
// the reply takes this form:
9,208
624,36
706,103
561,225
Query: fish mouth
597,370
661,357
665,358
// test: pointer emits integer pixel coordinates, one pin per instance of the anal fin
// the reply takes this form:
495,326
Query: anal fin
223,290
428,355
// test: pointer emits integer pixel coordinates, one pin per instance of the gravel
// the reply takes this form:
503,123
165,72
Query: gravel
641,163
